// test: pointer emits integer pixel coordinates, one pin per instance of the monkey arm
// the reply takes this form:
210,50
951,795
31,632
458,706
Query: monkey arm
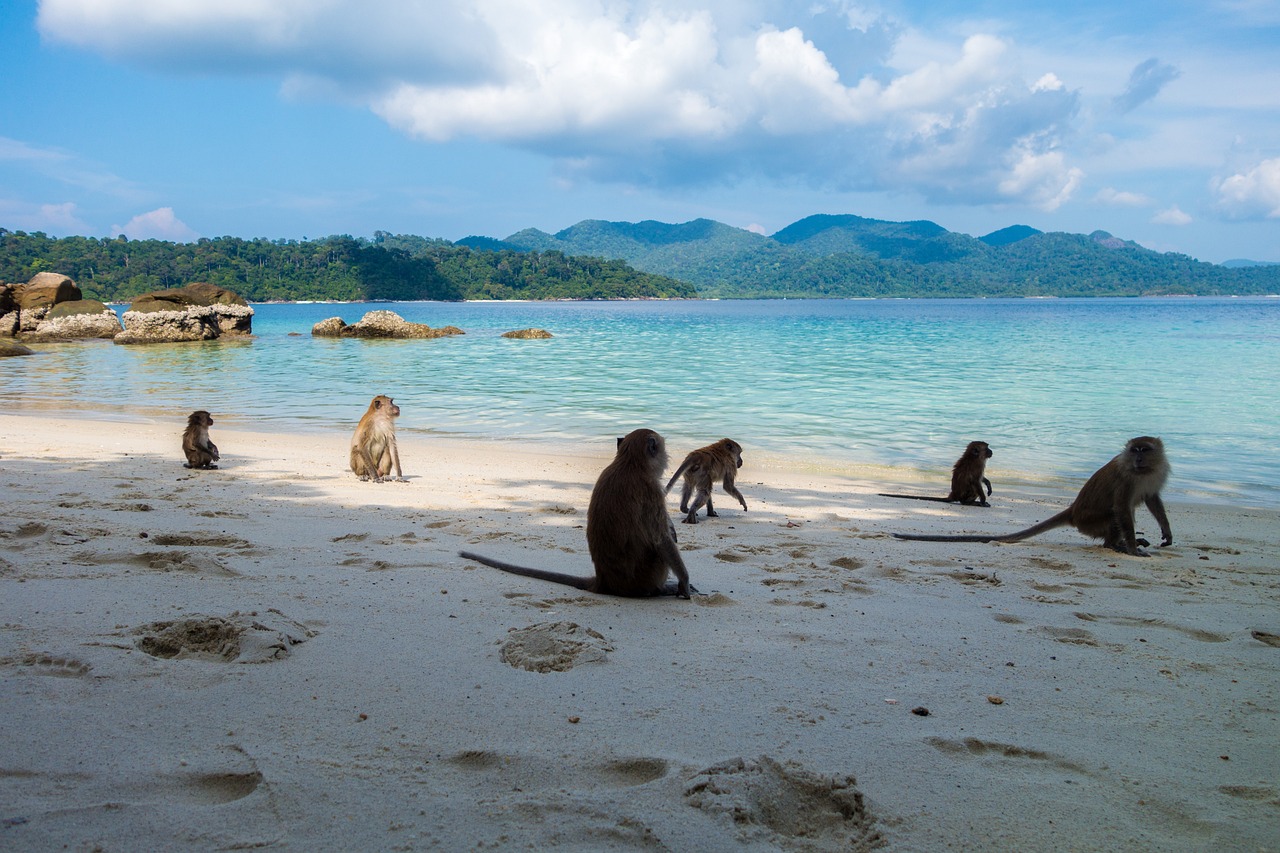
370,465
213,451
1156,507
987,483
733,490
671,555
395,460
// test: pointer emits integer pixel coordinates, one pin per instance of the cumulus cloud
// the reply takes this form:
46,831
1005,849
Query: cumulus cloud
1254,194
60,218
1145,82
640,92
1171,216
159,224
1119,198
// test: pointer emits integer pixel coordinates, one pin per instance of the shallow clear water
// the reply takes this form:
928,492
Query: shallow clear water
1056,386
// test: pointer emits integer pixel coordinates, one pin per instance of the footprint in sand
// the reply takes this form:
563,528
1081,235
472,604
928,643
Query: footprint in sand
200,540
526,772
1138,622
57,666
553,647
785,805
1266,637
172,561
975,747
1070,636
239,637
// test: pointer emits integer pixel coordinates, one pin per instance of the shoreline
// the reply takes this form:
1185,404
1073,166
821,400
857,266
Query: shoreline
345,679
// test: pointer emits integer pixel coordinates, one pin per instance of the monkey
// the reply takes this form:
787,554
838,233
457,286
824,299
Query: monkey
1105,506
629,533
968,476
199,450
373,447
701,468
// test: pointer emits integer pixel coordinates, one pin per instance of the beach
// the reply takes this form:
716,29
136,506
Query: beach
275,654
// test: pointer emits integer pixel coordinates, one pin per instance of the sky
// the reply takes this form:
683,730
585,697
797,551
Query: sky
1155,120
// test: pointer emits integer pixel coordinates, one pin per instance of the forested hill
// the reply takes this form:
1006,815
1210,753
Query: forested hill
851,256
335,268
819,256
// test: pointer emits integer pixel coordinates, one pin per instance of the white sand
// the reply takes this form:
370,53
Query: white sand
348,682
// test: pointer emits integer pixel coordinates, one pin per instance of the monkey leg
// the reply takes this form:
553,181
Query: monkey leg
685,494
704,497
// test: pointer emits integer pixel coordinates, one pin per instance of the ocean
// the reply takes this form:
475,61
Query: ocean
1056,386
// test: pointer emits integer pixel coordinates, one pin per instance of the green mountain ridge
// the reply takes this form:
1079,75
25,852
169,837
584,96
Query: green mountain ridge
828,255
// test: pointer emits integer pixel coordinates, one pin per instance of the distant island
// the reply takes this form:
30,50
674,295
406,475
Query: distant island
821,256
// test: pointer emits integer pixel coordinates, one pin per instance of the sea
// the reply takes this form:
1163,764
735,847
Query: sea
858,387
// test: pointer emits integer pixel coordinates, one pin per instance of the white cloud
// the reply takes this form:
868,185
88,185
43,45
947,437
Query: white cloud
1254,194
158,224
57,219
1118,198
1171,216
637,92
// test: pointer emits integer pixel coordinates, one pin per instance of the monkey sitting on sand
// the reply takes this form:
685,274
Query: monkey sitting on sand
1105,506
701,468
968,476
373,447
199,450
629,534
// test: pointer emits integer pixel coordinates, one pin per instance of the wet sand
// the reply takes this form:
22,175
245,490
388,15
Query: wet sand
275,654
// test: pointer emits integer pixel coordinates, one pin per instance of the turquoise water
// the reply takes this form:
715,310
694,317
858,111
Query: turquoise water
1056,386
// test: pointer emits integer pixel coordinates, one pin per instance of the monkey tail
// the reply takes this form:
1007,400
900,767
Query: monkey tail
917,498
1060,520
920,537
555,577
676,476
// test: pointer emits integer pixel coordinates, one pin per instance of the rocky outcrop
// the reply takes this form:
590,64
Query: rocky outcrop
27,304
380,324
78,320
528,334
8,310
197,312
9,347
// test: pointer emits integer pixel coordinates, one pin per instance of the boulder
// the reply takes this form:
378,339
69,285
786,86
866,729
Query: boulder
8,310
197,312
528,334
380,324
83,318
37,296
9,347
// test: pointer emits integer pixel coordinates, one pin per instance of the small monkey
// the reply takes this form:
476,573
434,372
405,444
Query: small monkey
373,447
629,534
1105,506
968,476
701,468
199,450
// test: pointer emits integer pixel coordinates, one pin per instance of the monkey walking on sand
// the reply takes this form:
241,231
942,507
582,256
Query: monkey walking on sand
1104,508
373,447
629,533
968,476
701,468
199,450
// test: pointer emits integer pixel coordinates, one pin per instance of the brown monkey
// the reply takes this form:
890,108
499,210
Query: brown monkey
200,451
1105,505
968,476
701,468
373,447
629,534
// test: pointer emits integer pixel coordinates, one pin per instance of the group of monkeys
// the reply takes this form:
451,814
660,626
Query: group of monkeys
632,541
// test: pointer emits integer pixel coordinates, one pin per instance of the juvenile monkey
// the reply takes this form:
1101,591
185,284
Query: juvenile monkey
1105,506
968,476
373,447
629,534
701,468
199,450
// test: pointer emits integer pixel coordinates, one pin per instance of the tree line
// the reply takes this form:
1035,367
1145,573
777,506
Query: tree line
338,268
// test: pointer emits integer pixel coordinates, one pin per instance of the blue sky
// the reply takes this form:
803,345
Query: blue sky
1156,121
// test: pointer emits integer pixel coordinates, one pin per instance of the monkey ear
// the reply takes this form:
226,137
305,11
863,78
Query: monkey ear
619,441
653,445
377,404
